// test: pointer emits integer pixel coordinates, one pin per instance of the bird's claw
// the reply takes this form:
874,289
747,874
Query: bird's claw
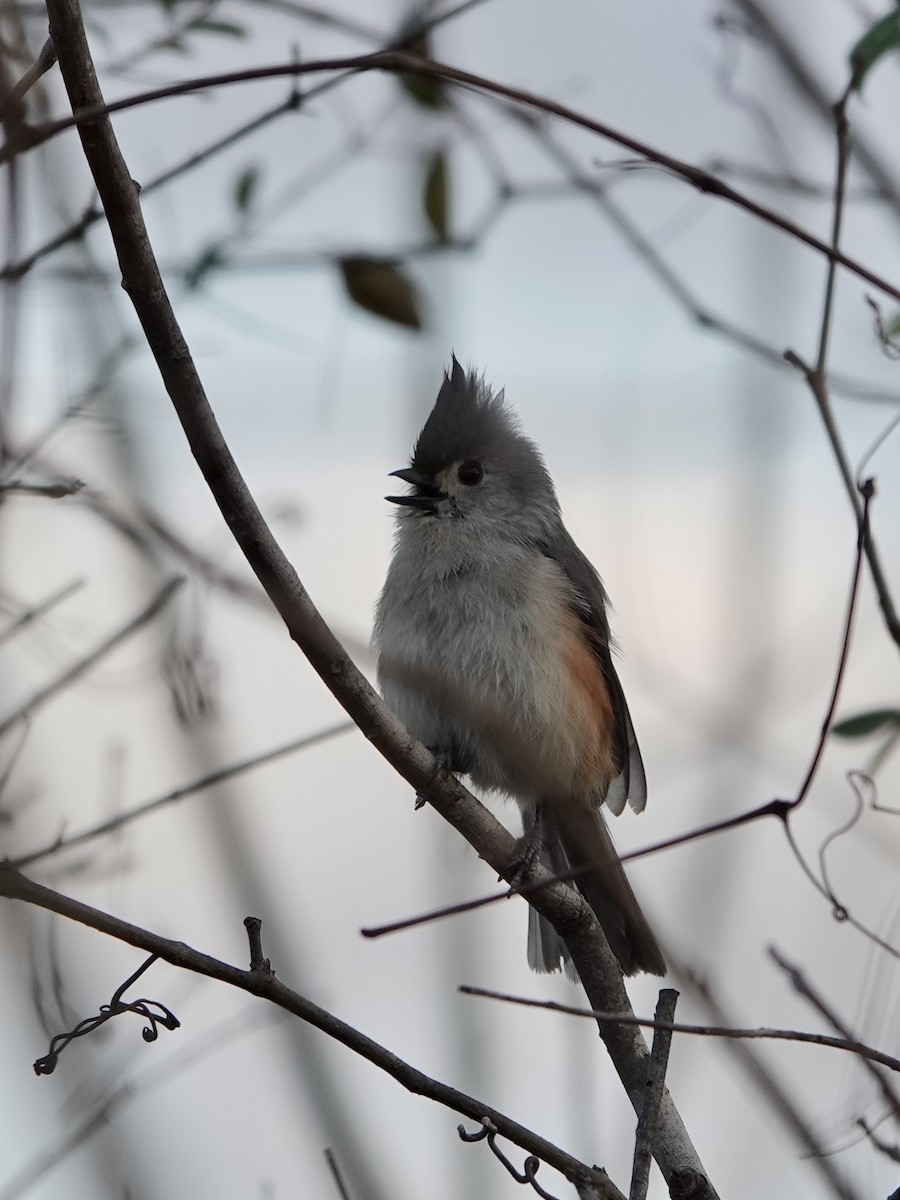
442,766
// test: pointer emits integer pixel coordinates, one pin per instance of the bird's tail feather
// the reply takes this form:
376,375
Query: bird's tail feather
575,838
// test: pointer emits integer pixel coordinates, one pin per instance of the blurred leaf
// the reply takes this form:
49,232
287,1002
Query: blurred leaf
227,28
866,723
878,40
893,326
435,195
245,189
427,93
383,289
207,261
175,43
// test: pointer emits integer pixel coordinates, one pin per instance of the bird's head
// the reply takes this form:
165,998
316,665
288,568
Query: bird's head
472,462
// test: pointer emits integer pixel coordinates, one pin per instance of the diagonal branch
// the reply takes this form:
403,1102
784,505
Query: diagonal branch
266,985
51,689
141,279
212,779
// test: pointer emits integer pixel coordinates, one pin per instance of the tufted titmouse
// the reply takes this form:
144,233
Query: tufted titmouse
494,650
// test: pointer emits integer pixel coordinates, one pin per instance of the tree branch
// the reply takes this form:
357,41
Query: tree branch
593,959
231,771
49,690
86,115
264,983
716,1031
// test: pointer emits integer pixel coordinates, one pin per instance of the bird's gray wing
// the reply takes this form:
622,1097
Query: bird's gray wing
591,602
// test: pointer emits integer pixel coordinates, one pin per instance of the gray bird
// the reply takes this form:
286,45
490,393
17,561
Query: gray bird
494,650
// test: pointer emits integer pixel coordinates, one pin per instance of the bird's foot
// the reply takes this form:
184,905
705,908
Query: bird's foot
442,767
528,852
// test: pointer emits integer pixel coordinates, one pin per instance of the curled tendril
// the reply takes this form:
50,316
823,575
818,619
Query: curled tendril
154,1013
859,784
530,1166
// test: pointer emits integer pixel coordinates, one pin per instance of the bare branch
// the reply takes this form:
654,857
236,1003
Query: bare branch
232,771
656,1079
53,491
258,961
42,64
802,986
717,1031
396,62
889,1150
291,103
780,1100
333,1167
818,96
49,690
868,492
817,377
591,955
14,885
40,610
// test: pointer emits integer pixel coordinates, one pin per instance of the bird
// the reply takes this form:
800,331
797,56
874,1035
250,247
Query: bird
494,649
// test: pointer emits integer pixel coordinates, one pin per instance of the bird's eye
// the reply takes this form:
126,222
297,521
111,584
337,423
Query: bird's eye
470,473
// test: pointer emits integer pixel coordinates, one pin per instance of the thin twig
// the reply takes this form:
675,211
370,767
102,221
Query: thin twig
52,491
335,1170
591,955
842,130
232,771
716,1031
396,62
292,103
42,64
14,885
23,620
258,961
817,376
802,986
868,491
773,808
22,456
819,96
656,1078
779,1100
891,1151
49,690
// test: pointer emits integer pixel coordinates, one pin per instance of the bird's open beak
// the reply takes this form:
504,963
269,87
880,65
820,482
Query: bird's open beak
427,494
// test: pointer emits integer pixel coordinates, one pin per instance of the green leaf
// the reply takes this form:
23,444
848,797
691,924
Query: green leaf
206,261
893,326
880,39
865,723
245,189
226,28
427,92
435,195
383,289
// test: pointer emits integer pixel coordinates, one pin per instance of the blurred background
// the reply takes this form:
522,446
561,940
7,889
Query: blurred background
638,328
